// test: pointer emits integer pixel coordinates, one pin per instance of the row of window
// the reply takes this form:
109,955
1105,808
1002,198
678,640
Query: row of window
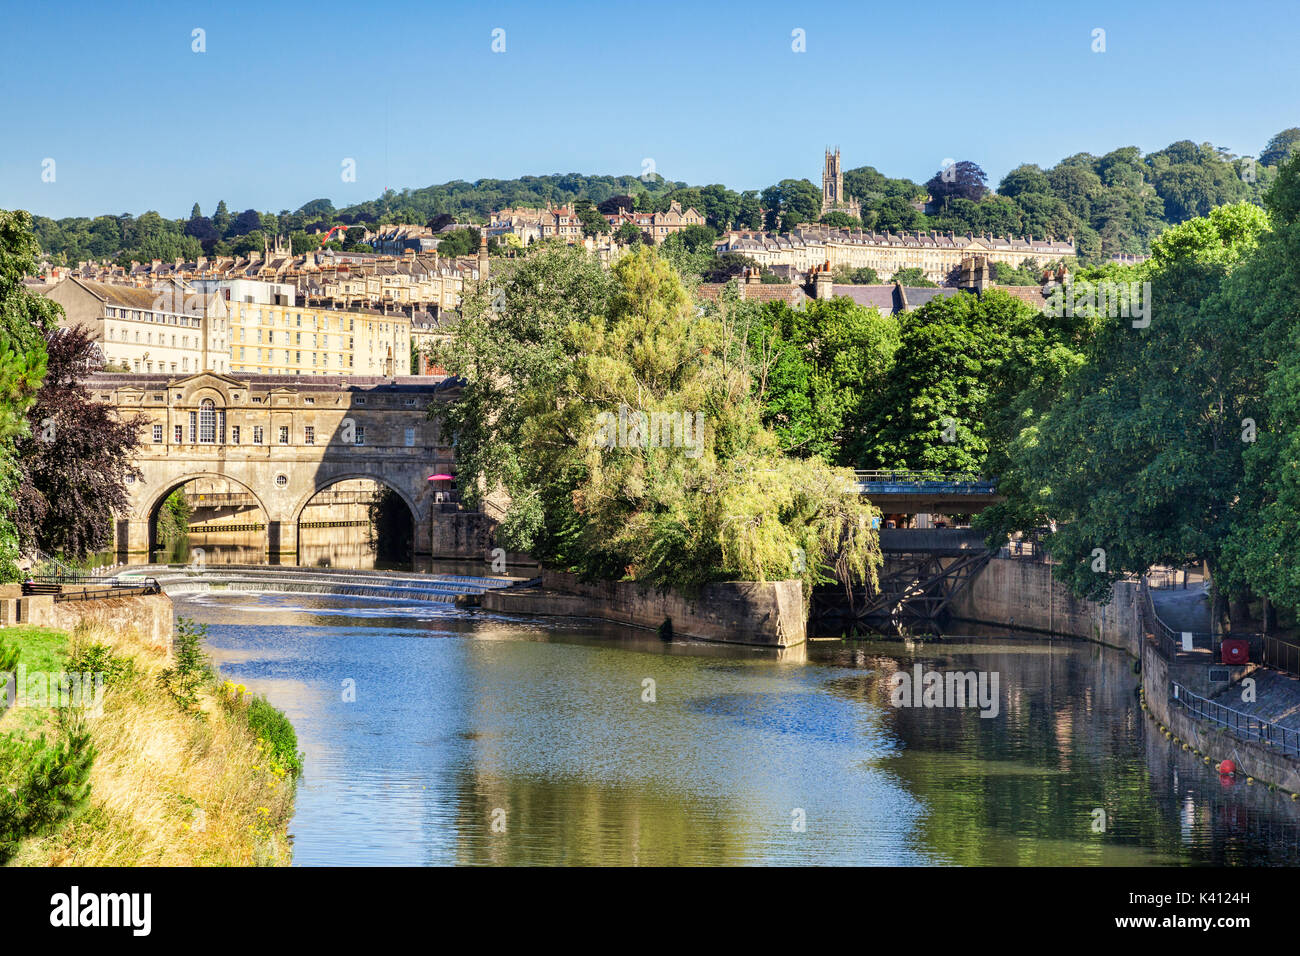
148,338
141,316
206,428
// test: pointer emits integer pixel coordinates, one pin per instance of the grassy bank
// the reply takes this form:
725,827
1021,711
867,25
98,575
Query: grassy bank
182,771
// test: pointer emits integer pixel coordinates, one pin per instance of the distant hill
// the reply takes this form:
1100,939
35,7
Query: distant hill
1111,204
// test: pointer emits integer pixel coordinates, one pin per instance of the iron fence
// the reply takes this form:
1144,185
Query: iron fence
88,587
1243,725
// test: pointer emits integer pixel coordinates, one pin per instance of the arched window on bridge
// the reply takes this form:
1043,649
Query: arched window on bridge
207,422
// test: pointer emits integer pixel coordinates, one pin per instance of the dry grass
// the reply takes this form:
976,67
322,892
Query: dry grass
168,788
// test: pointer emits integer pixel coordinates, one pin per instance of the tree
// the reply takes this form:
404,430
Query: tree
1281,147
841,220
24,318
628,234
614,203
221,218
1141,454
250,220
458,242
962,180
593,223
75,461
913,276
790,202
556,358
934,413
815,368
847,275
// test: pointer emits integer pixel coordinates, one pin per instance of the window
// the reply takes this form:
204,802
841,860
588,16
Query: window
257,434
179,437
234,434
281,480
157,434
207,422
194,418
360,436
309,435
284,434
410,437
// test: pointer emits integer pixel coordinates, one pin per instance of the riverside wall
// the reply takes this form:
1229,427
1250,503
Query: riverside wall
149,615
768,614
1022,594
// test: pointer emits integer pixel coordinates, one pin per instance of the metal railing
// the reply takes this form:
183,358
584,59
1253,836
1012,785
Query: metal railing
1274,652
927,481
1243,725
1169,640
88,587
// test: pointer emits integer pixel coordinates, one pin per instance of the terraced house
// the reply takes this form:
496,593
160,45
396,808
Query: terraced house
938,255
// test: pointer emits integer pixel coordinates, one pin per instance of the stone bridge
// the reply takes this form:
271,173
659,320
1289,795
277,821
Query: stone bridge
283,439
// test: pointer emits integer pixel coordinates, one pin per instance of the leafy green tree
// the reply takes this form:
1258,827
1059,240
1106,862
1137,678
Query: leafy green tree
25,317
1281,147
1140,455
628,234
913,276
935,411
816,368
841,220
551,364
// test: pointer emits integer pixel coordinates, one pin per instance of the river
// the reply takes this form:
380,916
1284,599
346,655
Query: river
435,735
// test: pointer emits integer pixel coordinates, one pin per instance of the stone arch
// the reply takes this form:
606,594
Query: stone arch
334,479
153,503
354,476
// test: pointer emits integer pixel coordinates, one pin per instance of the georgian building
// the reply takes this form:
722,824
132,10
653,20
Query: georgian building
938,255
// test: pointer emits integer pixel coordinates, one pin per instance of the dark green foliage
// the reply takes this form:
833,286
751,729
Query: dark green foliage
100,659
42,784
271,725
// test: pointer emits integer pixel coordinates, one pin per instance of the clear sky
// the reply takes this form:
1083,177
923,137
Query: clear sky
134,119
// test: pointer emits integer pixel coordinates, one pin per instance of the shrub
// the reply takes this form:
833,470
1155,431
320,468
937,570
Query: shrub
43,784
272,726
99,658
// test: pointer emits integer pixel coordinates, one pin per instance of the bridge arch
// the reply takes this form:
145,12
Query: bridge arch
407,552
154,501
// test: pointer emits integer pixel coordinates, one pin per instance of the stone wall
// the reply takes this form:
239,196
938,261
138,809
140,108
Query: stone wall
1023,595
150,615
769,614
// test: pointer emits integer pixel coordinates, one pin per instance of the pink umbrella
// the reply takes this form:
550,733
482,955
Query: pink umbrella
441,478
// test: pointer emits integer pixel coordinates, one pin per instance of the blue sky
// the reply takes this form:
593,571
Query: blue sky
135,120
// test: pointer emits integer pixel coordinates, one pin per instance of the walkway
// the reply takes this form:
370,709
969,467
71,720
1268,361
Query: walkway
1184,610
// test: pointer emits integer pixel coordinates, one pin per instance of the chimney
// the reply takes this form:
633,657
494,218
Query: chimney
824,283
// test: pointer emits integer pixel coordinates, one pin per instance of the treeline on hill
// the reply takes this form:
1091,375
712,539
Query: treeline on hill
1112,204
1168,442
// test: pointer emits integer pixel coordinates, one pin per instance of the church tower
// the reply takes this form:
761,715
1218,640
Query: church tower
833,197
832,182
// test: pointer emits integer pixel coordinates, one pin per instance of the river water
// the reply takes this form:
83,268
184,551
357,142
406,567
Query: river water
442,736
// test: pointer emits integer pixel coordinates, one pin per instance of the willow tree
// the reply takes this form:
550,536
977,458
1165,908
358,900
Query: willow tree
623,426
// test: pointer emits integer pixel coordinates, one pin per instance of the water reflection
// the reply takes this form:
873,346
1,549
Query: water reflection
462,718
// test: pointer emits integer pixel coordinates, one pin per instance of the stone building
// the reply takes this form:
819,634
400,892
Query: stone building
168,329
833,197
938,255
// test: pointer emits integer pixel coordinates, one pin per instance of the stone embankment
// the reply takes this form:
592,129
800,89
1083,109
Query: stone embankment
768,614
1023,595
